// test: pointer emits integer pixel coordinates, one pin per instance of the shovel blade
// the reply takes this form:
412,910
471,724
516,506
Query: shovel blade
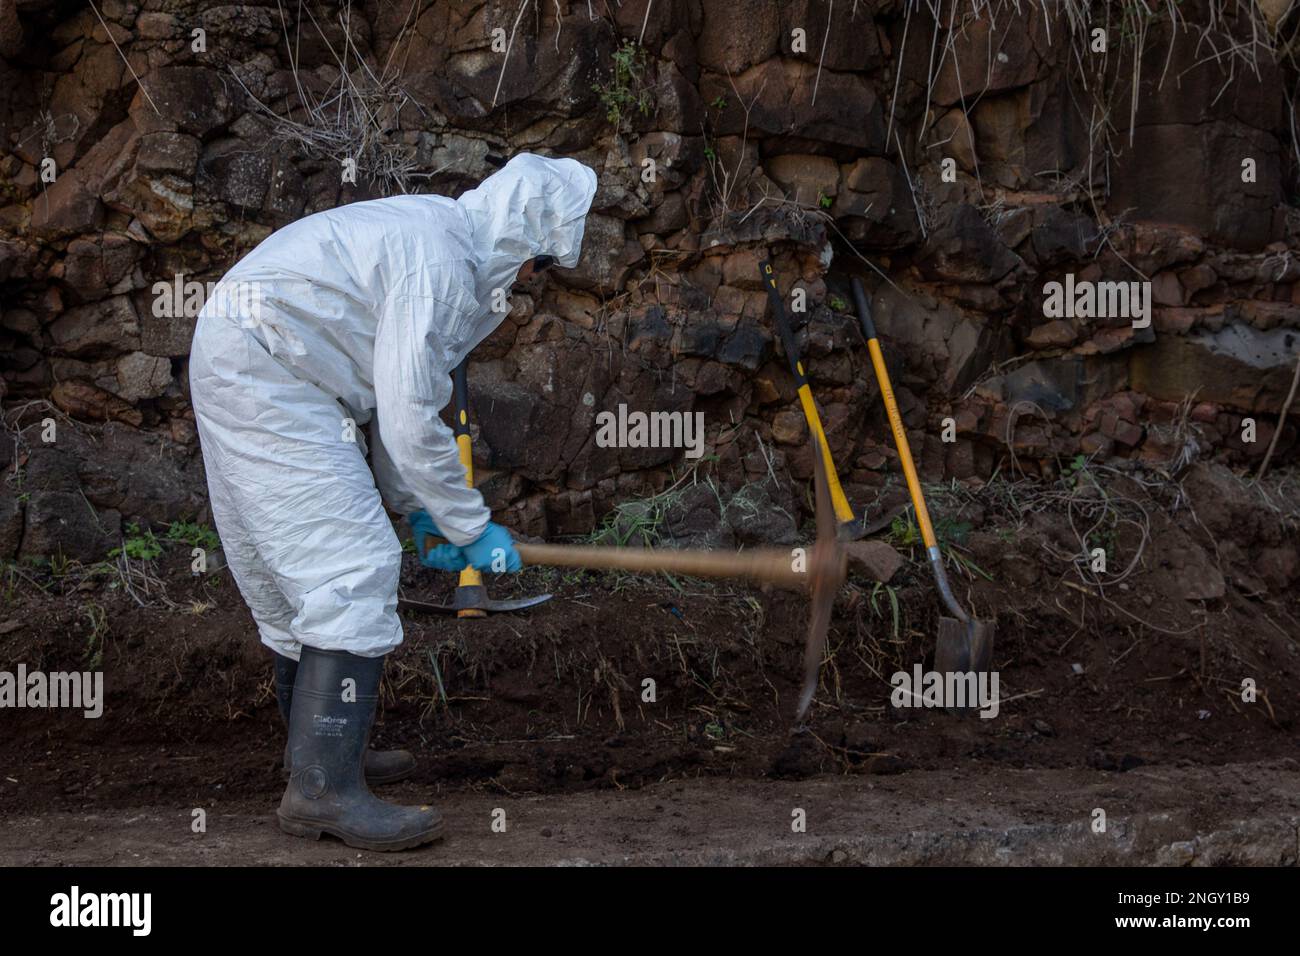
963,647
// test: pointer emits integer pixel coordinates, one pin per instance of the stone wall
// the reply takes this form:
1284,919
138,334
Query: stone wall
811,133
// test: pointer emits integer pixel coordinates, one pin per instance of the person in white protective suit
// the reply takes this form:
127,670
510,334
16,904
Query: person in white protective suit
350,318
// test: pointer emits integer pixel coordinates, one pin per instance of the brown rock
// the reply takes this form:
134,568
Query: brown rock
1196,278
964,248
61,523
1196,180
737,34
188,99
1279,566
789,428
607,256
988,57
846,112
11,30
952,132
1166,290
740,269
1237,366
68,206
99,328
806,179
83,400
875,559
1054,334
849,31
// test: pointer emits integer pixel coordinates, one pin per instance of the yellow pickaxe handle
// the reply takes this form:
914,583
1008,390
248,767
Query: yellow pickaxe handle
469,577
840,504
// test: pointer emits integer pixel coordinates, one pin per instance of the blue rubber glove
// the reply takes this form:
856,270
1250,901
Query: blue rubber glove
444,557
421,523
493,550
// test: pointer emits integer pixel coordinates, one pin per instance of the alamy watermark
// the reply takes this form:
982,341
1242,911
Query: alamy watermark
626,429
1098,300
179,298
77,690
75,908
967,689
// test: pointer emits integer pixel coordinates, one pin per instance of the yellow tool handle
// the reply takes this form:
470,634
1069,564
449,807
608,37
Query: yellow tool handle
469,577
843,513
900,439
904,450
771,565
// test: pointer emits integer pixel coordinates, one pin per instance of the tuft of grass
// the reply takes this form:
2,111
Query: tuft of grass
97,618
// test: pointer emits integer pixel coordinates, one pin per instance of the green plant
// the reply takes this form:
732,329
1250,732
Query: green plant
626,91
904,533
60,565
97,617
1072,472
195,535
895,612
824,201
140,545
838,304
718,102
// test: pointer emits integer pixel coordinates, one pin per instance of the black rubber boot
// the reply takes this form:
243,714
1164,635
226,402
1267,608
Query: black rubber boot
382,766
328,734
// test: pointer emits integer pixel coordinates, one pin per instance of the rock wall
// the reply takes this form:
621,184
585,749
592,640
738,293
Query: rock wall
958,167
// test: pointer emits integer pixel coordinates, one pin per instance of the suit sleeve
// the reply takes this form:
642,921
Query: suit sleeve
412,384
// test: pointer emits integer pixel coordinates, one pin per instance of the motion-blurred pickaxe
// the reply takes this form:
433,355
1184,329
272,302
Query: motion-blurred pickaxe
821,570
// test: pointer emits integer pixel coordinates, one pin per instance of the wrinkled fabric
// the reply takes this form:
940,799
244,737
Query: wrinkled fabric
345,326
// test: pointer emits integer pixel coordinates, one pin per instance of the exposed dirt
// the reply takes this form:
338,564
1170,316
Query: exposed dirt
535,707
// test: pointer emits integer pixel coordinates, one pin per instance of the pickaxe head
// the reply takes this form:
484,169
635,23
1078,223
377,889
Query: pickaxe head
474,599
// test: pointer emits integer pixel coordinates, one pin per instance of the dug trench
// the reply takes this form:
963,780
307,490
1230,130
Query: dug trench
1127,697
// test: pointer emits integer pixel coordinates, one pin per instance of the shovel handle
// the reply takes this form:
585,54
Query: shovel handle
770,565
895,420
905,453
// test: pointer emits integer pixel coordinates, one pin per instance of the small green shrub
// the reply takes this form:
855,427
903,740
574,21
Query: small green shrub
626,92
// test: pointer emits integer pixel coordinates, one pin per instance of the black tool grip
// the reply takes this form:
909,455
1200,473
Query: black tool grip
864,310
782,323
460,388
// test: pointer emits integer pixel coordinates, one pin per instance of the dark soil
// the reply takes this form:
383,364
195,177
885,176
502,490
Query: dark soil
550,700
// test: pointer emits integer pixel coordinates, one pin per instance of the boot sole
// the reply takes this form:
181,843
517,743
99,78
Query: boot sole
313,830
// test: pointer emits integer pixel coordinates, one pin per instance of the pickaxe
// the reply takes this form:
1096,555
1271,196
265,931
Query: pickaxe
820,569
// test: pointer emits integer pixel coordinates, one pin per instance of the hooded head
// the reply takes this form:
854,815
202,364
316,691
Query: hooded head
533,206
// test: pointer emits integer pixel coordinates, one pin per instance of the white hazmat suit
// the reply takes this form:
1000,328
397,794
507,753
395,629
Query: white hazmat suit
352,317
